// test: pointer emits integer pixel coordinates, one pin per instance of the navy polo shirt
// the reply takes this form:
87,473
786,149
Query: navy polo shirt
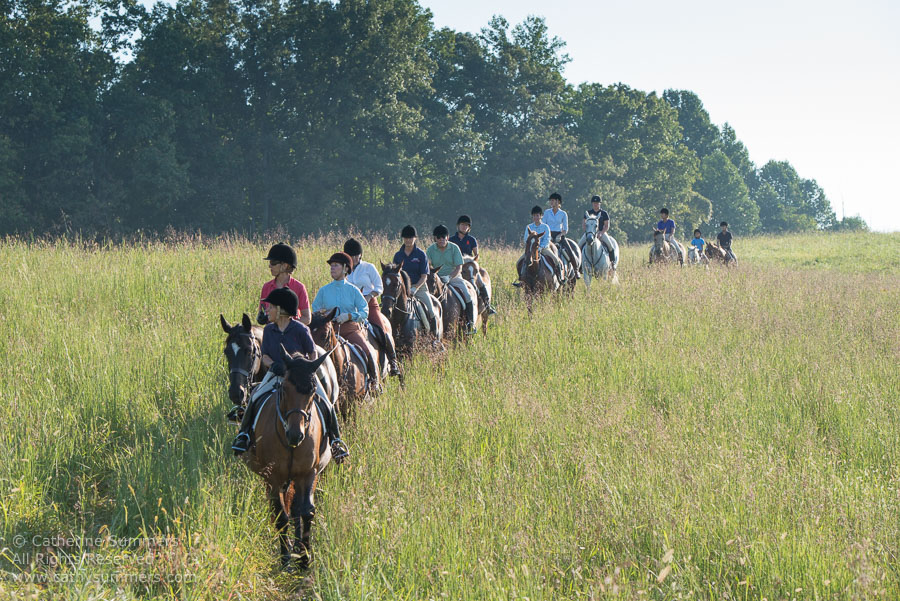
467,244
295,338
415,264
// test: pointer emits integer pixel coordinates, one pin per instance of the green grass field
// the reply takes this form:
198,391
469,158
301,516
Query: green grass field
688,434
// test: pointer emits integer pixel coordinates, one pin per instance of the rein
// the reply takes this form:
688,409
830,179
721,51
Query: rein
283,417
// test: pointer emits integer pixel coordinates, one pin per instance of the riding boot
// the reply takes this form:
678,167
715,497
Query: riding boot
339,450
432,323
482,291
470,318
391,352
241,442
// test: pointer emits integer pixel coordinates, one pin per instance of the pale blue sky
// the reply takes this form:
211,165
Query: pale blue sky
814,82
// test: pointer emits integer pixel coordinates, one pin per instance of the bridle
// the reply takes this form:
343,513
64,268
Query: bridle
283,417
255,359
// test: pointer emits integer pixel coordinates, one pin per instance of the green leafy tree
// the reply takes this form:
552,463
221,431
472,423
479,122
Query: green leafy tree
723,185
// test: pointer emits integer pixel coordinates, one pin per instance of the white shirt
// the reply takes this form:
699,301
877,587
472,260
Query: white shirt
366,278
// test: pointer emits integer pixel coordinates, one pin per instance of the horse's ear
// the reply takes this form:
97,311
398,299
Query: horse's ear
225,325
383,266
541,235
331,314
245,321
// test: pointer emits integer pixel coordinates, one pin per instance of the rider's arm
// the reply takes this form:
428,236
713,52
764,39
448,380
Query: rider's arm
605,227
267,361
564,226
305,316
456,271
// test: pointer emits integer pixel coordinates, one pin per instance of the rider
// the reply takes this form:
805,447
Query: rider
352,310
413,261
724,237
698,242
558,221
282,263
284,330
547,248
365,277
667,226
447,259
602,232
468,245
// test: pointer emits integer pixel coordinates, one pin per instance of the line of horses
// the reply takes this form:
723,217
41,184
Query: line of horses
289,449
664,252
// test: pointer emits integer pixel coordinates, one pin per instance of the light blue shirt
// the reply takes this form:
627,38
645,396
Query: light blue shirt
557,222
343,295
537,229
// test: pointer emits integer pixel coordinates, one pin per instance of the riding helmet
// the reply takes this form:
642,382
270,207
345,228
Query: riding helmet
464,219
408,231
283,253
536,210
595,198
352,247
441,231
284,298
342,258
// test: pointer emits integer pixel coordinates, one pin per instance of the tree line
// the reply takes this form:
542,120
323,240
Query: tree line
311,115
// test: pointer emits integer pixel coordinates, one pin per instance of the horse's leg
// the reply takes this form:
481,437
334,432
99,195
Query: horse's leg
303,510
281,520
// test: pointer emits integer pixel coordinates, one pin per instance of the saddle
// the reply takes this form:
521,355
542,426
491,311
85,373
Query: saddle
360,355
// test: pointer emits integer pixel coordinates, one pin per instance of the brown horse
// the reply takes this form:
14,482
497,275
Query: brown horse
536,276
399,306
716,253
452,309
664,252
245,368
472,272
290,451
350,367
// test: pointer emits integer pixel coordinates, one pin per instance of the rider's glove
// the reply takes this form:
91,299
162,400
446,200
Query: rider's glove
261,318
343,317
445,278
413,289
278,369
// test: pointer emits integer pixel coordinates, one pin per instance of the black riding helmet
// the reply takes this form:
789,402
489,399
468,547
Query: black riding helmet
464,219
595,198
283,253
441,231
408,231
284,298
352,247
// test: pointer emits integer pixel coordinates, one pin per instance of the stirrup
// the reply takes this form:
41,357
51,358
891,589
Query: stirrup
491,310
339,451
517,284
237,446
236,414
393,368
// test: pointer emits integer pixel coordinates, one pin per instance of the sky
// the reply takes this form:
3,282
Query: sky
816,83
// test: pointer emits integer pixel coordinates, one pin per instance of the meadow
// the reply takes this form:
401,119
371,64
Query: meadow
687,434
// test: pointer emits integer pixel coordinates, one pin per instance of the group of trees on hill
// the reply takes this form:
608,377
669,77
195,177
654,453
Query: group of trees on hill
312,115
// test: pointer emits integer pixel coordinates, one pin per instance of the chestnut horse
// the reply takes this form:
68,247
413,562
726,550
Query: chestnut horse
472,272
714,252
245,368
399,306
536,276
291,450
350,367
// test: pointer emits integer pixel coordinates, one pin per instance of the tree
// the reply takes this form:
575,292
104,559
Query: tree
723,185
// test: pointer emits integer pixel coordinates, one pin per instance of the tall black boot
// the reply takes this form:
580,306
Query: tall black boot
339,450
482,291
470,318
241,442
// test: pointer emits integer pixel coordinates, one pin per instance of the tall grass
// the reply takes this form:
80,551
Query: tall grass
689,433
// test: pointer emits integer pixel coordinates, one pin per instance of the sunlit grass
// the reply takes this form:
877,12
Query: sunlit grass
703,434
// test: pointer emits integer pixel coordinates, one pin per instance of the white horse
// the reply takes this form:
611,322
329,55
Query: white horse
595,257
695,257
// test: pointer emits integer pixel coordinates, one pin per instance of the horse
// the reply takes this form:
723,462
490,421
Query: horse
399,306
714,252
570,255
350,367
471,271
663,251
291,450
535,274
452,308
595,260
695,257
245,367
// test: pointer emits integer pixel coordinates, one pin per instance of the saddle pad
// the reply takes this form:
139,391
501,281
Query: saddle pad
423,317
457,294
356,353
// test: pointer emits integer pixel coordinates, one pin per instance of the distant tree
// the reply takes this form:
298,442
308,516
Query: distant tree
723,185
698,132
854,223
789,203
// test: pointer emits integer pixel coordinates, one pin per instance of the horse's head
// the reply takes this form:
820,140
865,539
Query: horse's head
591,224
321,329
396,286
242,353
434,283
470,269
533,247
294,406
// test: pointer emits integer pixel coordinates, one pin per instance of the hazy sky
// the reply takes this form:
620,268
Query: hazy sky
814,82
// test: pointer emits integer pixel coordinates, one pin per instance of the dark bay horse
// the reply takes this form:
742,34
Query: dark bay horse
714,252
399,306
570,255
349,367
290,451
452,309
242,352
536,276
